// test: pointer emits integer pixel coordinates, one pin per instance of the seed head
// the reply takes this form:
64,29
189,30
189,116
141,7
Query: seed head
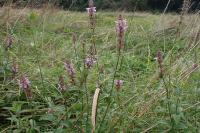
160,63
8,42
74,38
61,84
15,67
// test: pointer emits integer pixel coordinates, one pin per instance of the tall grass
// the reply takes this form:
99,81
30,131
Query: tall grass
59,68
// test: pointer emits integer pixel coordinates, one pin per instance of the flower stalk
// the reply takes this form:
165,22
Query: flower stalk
71,71
121,27
24,83
161,75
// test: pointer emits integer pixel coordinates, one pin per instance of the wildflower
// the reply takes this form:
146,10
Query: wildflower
91,9
118,84
121,27
71,71
194,66
160,63
89,62
15,67
25,85
24,82
61,84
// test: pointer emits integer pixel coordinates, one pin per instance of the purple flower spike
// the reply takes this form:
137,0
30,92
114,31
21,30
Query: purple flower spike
15,67
24,82
89,62
121,25
71,71
118,84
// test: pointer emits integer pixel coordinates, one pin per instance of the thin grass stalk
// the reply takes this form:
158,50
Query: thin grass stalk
184,11
40,71
196,108
87,102
74,39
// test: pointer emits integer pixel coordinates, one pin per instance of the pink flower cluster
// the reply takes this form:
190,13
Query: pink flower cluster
90,61
91,10
24,82
121,25
70,69
118,84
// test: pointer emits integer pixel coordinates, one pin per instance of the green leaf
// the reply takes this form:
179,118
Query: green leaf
48,117
77,106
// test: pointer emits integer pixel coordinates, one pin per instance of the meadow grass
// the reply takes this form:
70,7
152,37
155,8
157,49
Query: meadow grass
42,42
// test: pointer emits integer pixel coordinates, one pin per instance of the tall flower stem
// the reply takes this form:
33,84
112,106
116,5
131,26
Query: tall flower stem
85,75
87,101
121,26
111,91
168,101
162,76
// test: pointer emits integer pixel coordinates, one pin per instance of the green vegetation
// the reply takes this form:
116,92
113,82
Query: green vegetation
42,42
127,5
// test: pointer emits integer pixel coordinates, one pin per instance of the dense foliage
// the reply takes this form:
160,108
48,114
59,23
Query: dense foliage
130,5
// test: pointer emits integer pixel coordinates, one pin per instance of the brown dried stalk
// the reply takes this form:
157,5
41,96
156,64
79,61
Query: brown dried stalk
184,11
